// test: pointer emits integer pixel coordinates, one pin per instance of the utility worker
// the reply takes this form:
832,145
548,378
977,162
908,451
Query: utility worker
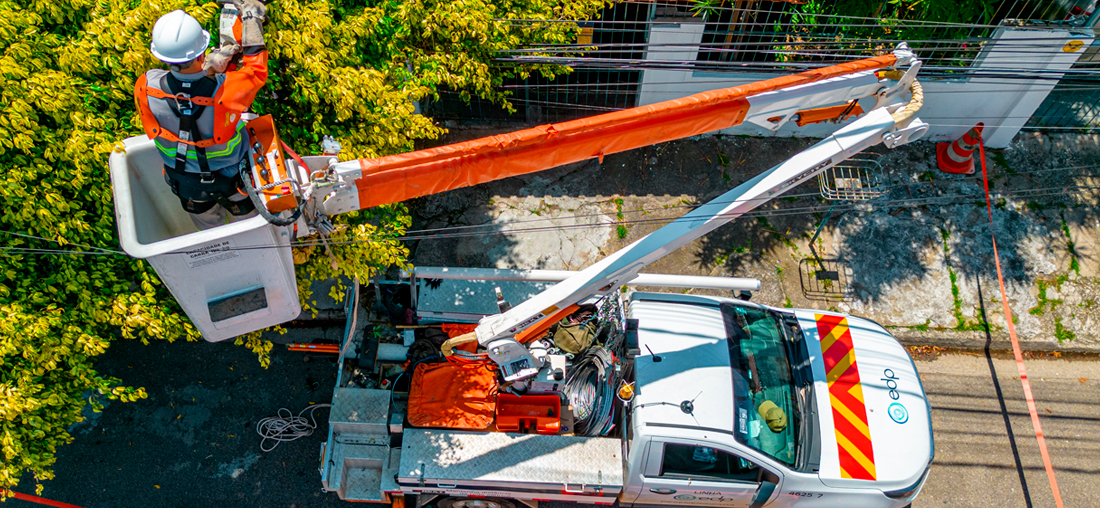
193,111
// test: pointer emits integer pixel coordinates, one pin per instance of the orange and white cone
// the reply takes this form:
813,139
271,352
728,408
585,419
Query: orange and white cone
957,157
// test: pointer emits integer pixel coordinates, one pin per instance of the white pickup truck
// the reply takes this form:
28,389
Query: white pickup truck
856,433
701,401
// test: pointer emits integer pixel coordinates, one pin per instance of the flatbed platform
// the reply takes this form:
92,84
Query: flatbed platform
453,459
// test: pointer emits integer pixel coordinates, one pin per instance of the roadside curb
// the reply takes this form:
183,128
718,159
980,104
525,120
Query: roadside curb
977,341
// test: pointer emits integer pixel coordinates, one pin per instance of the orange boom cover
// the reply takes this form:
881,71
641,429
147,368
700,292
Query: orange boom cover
452,396
397,178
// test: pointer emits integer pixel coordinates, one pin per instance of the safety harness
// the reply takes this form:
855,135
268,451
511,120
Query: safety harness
198,192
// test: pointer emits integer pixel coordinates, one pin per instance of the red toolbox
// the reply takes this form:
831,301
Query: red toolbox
541,413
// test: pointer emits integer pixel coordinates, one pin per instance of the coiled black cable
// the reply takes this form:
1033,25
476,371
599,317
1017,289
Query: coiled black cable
590,387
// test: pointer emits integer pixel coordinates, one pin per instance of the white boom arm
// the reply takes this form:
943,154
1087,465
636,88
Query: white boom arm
497,332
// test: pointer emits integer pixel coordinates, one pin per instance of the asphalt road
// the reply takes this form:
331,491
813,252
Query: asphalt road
192,442
986,451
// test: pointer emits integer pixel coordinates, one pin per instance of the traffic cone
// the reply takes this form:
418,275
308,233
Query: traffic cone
957,157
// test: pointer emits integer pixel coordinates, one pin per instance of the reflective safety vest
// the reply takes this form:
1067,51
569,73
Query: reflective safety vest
197,125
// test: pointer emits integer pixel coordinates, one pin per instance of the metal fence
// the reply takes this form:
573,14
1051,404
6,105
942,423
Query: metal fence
592,88
766,36
1074,103
782,36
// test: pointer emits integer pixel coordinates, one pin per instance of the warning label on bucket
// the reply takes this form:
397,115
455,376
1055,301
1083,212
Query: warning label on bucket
212,253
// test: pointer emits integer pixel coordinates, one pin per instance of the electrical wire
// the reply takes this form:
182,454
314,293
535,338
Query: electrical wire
480,229
24,235
927,71
793,49
877,19
965,44
473,230
286,427
466,359
899,24
1073,86
786,29
415,234
942,200
57,252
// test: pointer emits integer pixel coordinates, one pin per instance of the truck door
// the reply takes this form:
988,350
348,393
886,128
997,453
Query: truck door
690,474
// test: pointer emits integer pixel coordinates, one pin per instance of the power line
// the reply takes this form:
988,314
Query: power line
786,195
24,235
782,212
910,203
916,24
824,15
961,43
792,11
787,67
606,109
554,87
21,250
852,45
904,203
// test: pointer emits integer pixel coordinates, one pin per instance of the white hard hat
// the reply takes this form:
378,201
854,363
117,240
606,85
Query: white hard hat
178,38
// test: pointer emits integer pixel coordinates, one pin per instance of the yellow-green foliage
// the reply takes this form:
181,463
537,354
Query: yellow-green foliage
67,68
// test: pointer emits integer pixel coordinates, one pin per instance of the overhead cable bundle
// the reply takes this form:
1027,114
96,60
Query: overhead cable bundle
590,387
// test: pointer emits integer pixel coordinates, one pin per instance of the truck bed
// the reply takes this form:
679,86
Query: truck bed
537,466
467,301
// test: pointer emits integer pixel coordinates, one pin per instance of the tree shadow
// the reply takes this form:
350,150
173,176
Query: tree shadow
457,228
700,169
926,222
930,221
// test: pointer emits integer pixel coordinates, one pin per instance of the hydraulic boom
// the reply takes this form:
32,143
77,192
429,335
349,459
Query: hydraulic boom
503,334
239,278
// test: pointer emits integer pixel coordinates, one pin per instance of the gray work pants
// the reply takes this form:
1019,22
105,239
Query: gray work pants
216,216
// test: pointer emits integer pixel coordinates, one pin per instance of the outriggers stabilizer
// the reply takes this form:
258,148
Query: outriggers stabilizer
239,278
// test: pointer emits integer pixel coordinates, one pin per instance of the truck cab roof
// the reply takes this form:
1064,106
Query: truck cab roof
687,387
683,357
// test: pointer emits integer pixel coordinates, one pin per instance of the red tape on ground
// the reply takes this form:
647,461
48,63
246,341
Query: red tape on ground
1016,343
39,500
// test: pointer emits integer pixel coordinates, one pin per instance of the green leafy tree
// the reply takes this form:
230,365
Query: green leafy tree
349,68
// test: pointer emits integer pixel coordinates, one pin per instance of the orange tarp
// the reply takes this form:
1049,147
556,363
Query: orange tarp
452,396
409,175
455,329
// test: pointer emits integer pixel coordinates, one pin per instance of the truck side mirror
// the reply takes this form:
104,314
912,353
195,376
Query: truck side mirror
765,490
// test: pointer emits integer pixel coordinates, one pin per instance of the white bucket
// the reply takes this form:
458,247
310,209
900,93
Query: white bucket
230,280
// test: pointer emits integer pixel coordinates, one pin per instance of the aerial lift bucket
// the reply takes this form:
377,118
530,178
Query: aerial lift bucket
230,280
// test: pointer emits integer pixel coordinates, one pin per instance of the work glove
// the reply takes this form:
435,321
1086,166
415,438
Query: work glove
226,20
253,13
251,9
219,59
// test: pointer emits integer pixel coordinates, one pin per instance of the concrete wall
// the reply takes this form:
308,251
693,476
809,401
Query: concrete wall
951,106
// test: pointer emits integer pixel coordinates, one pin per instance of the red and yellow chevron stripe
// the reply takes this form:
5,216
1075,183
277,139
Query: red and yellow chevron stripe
853,437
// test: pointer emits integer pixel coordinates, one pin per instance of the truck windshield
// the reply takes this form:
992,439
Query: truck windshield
767,413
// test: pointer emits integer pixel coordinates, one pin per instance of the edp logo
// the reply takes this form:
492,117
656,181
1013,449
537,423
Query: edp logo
891,383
